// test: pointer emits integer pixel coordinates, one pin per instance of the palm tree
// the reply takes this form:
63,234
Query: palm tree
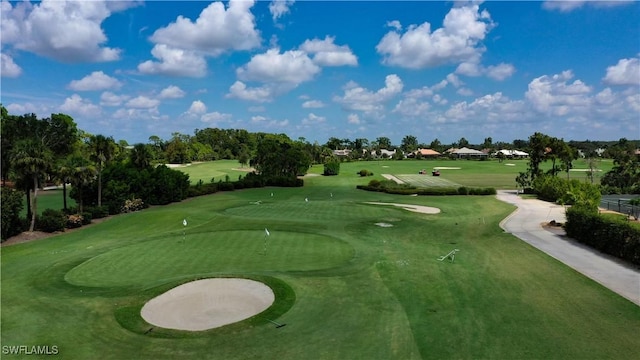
102,151
141,156
31,160
82,173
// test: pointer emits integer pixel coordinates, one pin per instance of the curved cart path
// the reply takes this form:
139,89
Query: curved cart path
526,223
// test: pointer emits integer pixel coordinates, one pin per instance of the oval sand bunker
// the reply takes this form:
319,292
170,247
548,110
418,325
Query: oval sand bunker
207,304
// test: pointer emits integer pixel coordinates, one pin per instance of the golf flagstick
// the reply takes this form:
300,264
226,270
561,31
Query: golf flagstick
266,233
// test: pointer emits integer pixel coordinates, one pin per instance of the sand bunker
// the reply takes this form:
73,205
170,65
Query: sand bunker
446,168
415,208
207,304
383,224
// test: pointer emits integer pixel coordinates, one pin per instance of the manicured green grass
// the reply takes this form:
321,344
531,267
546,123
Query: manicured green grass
49,199
216,170
346,288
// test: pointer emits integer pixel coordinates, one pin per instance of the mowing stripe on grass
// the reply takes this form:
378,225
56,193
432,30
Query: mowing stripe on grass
426,181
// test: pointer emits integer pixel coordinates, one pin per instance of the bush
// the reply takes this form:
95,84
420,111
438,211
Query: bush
364,172
374,183
51,221
332,167
132,205
98,212
614,237
463,191
11,206
86,218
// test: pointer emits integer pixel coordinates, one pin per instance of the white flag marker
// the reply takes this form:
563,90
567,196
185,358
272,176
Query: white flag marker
266,231
306,199
184,222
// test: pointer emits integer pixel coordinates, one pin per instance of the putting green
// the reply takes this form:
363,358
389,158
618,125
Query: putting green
242,251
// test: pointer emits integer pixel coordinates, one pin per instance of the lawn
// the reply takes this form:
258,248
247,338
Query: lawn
214,170
49,199
346,288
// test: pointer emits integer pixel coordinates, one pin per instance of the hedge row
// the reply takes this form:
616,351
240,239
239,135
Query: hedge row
430,191
251,180
613,237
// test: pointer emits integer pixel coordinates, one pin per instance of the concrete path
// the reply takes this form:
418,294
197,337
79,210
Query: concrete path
526,223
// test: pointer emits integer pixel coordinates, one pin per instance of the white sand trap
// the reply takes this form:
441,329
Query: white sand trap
207,304
415,208
446,168
509,164
585,170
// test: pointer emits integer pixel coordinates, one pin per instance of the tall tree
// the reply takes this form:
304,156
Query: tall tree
383,143
31,160
409,144
463,142
140,156
102,151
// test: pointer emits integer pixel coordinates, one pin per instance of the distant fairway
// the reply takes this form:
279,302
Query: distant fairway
427,181
346,287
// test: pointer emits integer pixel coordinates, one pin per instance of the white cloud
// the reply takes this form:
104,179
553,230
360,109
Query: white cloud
278,8
258,119
8,68
312,104
110,99
394,24
412,107
570,5
265,122
464,92
215,31
493,108
353,119
291,67
215,117
553,95
197,108
171,92
454,80
259,94
142,102
457,41
258,108
361,99
474,68
313,119
501,71
625,72
97,80
76,105
326,53
174,62
67,31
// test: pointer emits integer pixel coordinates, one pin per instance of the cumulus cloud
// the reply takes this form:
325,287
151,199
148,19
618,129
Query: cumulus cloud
313,104
215,31
171,92
278,8
412,107
459,40
625,72
174,62
76,105
97,80
291,67
360,99
197,108
110,99
215,117
554,95
353,119
326,53
67,31
501,71
570,5
142,102
313,119
8,68
492,108
258,94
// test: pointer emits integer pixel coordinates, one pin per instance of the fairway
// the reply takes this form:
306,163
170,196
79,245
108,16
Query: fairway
345,286
426,181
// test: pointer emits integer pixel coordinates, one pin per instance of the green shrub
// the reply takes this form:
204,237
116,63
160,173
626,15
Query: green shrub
614,237
364,172
332,167
51,221
463,191
374,183
11,206
86,218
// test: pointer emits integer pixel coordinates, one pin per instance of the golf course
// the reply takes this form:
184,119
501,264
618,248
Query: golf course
351,278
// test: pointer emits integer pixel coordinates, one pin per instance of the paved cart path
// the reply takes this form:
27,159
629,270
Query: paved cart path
526,223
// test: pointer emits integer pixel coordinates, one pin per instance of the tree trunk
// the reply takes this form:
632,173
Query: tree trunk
100,188
28,193
64,196
34,204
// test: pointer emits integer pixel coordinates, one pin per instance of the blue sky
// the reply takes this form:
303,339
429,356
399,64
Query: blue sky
320,69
